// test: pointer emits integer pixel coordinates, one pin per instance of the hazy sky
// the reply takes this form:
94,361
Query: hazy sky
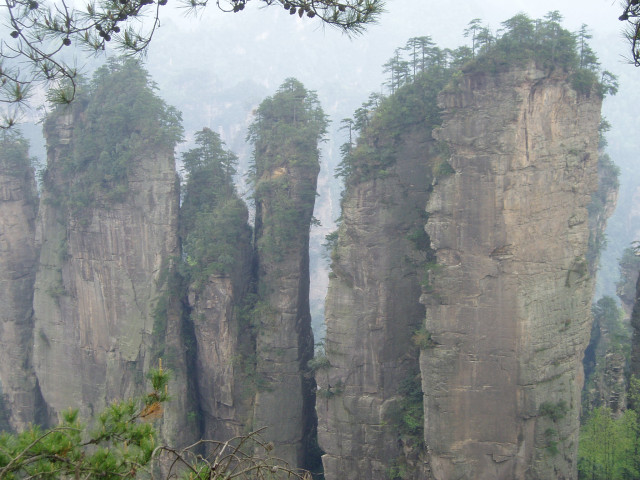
258,40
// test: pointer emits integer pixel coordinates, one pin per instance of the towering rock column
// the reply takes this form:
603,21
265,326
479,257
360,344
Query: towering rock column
108,233
509,315
216,243
18,256
97,285
285,135
372,314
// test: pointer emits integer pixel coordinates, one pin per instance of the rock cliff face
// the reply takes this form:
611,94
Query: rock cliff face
284,340
285,135
98,282
223,347
18,256
510,309
507,304
372,313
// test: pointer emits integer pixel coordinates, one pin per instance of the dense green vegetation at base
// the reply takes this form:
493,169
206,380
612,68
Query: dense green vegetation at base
118,119
610,444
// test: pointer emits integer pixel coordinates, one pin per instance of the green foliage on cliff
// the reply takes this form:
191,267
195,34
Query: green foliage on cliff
381,121
407,419
14,154
287,129
554,411
420,70
522,40
118,120
285,135
213,219
411,411
546,43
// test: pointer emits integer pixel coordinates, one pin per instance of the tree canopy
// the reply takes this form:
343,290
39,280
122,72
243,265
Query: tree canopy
34,51
213,219
293,121
14,154
285,135
123,445
121,116
418,71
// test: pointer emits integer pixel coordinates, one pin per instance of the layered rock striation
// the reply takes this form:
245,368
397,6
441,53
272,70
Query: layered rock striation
98,281
285,135
19,393
509,314
372,314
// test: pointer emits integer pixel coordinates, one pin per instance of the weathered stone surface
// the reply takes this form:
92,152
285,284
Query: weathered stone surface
223,345
634,364
18,256
372,312
98,281
284,401
510,308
